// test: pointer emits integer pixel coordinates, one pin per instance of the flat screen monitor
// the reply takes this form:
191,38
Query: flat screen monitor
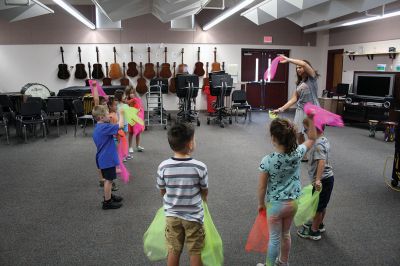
374,86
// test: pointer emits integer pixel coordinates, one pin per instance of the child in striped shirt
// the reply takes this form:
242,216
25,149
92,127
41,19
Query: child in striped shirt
183,183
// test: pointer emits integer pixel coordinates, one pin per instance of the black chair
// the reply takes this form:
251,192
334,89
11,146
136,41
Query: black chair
80,115
55,111
31,115
239,102
4,123
7,106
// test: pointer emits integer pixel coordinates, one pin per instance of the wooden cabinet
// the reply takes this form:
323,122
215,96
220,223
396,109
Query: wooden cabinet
334,105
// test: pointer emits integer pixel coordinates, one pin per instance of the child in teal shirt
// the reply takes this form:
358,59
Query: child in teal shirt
280,180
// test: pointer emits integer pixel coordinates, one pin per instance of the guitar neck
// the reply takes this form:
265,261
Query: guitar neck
198,55
62,57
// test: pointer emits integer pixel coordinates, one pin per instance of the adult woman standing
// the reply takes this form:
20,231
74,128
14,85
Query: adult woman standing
306,91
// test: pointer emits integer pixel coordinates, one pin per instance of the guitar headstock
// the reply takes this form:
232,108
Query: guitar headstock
165,49
61,49
198,49
123,64
97,49
158,64
148,49
141,65
79,49
207,65
182,51
131,49
174,64
114,50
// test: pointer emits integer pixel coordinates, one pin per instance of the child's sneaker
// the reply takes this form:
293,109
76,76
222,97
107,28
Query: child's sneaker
129,157
321,227
110,204
116,198
139,148
308,233
130,150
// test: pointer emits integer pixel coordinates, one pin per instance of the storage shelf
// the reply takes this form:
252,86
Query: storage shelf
370,56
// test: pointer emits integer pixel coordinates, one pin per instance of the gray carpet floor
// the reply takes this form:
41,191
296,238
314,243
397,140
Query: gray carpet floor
50,211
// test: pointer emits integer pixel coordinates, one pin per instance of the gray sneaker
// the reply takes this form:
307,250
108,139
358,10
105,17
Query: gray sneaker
308,233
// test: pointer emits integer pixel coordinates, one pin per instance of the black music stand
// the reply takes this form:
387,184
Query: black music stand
187,88
221,86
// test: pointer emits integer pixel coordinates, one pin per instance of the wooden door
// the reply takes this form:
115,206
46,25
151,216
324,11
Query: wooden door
260,94
334,69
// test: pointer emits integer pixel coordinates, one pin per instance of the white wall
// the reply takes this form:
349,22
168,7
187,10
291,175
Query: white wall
21,64
361,63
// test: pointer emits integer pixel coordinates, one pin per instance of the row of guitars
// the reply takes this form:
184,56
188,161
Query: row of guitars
116,72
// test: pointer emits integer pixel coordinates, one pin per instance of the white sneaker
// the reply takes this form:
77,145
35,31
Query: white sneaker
130,150
139,148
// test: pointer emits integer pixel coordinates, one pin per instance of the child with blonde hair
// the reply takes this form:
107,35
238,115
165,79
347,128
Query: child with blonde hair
106,155
133,100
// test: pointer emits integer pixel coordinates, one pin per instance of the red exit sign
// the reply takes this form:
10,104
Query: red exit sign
267,39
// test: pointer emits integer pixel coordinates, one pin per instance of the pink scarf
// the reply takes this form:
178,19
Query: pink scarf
323,117
122,153
272,68
99,89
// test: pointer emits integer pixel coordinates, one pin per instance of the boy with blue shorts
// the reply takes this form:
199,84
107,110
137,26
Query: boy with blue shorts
183,183
106,156
321,173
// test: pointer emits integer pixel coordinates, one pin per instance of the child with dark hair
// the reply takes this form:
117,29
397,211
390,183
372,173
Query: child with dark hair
183,183
280,180
320,172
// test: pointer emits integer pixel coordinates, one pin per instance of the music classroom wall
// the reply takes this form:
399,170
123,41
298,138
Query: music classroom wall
361,63
22,64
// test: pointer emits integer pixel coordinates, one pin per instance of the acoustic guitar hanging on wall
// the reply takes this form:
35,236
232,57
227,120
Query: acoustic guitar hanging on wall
141,86
115,68
215,66
97,68
132,67
172,87
206,80
165,67
80,72
149,67
182,68
107,80
198,67
63,72
124,81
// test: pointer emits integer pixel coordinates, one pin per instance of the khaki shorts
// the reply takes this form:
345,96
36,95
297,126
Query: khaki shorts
179,231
